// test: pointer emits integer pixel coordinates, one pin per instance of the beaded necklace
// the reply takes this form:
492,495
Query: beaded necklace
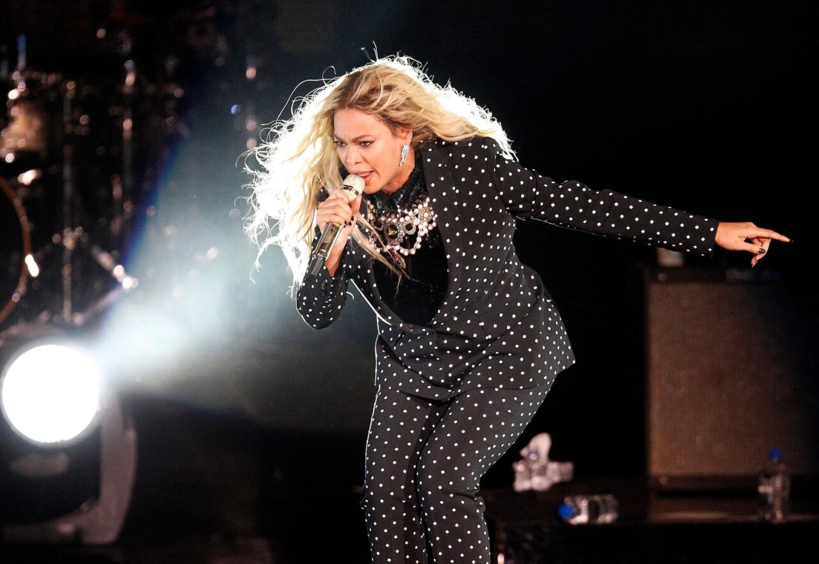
404,221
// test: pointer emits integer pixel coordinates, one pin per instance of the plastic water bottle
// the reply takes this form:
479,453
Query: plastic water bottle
523,476
589,509
774,489
540,471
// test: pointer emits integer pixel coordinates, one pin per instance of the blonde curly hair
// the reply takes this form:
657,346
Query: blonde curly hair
298,156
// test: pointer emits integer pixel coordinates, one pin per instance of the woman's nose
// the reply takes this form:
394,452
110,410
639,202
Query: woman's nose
351,156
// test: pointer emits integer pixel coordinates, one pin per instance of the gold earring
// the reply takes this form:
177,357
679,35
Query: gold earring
404,154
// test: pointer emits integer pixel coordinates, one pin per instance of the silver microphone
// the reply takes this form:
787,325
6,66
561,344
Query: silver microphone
353,186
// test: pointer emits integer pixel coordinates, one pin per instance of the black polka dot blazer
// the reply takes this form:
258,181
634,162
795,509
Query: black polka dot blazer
497,326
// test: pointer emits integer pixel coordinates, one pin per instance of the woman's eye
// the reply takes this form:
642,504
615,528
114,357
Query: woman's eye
365,143
339,144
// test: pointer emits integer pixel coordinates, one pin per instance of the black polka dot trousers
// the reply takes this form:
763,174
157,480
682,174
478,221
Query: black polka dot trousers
424,462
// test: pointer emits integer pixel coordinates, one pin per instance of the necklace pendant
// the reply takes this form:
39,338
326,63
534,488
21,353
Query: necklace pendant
404,230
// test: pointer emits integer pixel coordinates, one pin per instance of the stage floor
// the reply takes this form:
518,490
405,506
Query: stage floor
217,489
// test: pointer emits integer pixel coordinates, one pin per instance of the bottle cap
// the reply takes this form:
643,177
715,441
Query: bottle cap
565,511
775,453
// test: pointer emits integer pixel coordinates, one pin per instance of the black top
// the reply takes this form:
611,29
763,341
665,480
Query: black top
416,296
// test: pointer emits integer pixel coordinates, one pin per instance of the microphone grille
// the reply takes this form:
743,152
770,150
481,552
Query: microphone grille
353,184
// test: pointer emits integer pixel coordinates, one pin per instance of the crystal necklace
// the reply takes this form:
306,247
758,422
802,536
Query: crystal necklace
404,227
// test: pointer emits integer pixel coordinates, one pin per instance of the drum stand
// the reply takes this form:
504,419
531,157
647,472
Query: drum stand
73,238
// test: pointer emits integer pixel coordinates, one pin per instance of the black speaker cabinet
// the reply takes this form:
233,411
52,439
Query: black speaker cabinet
732,372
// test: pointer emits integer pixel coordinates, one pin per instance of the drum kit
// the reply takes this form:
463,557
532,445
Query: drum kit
62,147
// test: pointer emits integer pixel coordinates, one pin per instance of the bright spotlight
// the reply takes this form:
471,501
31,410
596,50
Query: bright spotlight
67,446
51,393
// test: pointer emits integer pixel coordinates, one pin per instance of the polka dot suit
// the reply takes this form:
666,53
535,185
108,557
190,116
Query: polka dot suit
454,395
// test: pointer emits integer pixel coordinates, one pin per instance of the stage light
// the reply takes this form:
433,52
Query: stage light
67,446
51,393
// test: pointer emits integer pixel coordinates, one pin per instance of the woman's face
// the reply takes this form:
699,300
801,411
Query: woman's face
368,148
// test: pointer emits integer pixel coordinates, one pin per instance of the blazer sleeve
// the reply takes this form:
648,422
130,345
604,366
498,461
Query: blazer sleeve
320,299
572,204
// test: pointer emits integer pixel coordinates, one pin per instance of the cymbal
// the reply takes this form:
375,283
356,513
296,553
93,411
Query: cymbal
129,18
116,17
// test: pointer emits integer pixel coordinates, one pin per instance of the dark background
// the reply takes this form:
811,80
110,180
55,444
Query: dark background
708,106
